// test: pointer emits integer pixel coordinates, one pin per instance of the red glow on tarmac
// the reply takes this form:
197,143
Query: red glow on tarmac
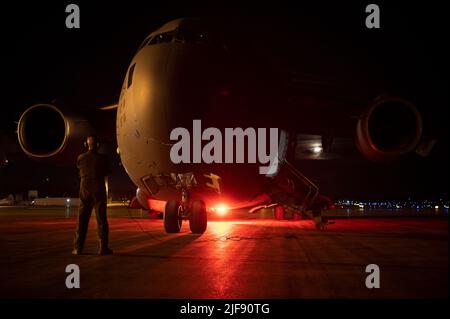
240,257
156,205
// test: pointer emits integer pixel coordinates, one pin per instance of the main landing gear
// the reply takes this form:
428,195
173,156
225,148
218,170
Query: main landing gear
175,212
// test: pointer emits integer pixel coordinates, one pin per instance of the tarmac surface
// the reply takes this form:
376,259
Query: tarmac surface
246,256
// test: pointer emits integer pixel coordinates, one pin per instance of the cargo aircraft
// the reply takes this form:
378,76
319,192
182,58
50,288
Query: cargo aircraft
202,127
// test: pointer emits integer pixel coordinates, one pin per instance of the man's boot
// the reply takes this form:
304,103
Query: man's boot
77,251
78,244
104,249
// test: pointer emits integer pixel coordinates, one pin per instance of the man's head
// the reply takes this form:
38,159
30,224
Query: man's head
91,142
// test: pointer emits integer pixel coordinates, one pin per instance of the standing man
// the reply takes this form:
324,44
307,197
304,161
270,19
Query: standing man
93,168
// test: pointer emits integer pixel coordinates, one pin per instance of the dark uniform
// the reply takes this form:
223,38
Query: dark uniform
93,168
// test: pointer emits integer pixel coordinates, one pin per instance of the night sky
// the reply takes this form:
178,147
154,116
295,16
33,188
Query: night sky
43,61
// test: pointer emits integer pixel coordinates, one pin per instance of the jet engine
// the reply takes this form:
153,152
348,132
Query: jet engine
46,133
390,128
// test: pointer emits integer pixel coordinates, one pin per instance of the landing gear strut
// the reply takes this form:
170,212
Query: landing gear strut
195,212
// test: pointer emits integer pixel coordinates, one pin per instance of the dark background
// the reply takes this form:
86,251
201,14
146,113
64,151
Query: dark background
43,61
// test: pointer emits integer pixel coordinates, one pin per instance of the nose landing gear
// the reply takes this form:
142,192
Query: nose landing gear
176,212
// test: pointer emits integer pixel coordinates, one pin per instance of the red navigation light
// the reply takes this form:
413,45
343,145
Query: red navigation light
221,209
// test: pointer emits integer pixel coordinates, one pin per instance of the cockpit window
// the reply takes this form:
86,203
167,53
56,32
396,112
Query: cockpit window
162,38
193,36
188,33
130,75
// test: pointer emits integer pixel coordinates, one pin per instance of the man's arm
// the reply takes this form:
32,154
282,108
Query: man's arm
79,158
78,164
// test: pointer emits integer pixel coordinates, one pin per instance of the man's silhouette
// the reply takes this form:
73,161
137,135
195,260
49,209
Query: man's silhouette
93,168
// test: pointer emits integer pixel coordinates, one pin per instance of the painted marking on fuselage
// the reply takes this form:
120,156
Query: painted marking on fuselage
215,182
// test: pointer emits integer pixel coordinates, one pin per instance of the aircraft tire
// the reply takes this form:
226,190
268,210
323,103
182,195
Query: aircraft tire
172,222
198,218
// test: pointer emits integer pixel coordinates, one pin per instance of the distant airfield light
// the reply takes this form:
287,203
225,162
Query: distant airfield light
68,200
317,149
436,207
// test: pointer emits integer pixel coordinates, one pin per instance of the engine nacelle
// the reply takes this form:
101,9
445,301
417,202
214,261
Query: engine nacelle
390,128
46,133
